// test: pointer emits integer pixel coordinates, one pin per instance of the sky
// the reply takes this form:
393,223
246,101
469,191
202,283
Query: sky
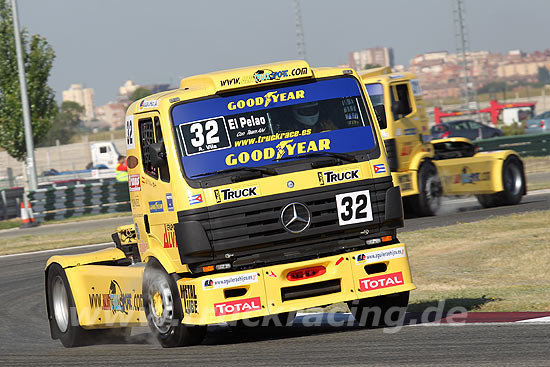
103,43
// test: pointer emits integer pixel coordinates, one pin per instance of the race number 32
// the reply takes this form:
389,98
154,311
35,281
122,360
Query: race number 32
354,207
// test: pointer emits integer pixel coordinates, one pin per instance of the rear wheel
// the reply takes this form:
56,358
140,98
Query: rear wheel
384,310
428,200
513,182
62,311
164,311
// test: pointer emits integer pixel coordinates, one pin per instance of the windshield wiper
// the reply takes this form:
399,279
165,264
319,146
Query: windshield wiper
266,171
342,156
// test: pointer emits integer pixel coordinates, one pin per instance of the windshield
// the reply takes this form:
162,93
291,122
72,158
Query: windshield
376,93
269,126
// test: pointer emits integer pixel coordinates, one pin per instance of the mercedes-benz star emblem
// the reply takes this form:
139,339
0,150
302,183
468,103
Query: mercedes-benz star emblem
295,217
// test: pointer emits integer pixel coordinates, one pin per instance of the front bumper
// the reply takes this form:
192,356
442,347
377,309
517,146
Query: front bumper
266,291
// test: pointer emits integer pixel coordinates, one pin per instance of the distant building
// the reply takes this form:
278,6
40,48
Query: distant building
82,96
382,56
128,88
112,114
440,73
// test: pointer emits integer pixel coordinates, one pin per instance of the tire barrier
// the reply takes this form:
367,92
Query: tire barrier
525,145
10,200
77,200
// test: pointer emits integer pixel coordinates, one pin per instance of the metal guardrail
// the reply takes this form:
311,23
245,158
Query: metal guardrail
525,145
77,200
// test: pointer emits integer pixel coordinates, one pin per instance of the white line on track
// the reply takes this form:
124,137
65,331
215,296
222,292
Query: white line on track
57,249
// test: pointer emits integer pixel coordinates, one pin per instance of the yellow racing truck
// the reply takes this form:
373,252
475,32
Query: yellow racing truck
428,169
255,192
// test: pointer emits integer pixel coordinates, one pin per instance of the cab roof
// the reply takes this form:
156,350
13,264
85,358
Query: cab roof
235,79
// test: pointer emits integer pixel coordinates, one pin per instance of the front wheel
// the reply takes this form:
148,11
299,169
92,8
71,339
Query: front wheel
428,200
163,309
384,310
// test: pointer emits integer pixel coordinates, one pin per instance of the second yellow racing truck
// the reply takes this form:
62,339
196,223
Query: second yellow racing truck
255,192
427,169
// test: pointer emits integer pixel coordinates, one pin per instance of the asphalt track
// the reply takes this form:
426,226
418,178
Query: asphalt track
25,339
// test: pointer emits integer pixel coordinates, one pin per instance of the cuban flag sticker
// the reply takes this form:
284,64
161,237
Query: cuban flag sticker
195,199
379,168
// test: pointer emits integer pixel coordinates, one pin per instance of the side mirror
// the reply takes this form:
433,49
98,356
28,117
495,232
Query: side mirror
381,116
158,155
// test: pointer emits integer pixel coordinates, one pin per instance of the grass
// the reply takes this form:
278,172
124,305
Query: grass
536,164
497,264
27,243
10,223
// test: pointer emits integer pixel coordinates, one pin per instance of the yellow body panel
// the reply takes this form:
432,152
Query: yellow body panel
206,301
107,296
66,261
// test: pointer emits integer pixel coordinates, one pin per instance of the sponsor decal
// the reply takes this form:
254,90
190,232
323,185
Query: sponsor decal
238,306
143,246
169,236
116,300
469,177
265,138
134,183
148,103
282,149
406,150
156,206
329,177
381,281
189,296
222,195
269,98
130,139
169,202
132,161
135,203
136,227
405,182
231,281
410,131
195,199
379,168
264,75
378,256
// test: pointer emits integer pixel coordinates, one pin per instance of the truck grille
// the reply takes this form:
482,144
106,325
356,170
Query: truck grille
246,226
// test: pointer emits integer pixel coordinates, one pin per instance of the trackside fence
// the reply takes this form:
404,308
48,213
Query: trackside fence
525,145
77,200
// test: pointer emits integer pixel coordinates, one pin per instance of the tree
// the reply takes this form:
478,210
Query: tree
139,93
65,125
38,59
371,66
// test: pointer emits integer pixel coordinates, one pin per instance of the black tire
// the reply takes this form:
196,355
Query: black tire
513,181
379,311
428,201
62,314
163,309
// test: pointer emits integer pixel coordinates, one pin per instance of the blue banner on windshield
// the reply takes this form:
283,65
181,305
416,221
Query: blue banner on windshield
243,130
337,141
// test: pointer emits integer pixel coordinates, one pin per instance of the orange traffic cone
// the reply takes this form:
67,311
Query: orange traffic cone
25,220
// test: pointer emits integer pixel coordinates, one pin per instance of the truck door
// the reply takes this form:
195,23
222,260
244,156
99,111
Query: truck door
405,128
156,201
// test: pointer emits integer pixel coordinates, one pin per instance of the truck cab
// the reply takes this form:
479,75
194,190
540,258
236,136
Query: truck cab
260,191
